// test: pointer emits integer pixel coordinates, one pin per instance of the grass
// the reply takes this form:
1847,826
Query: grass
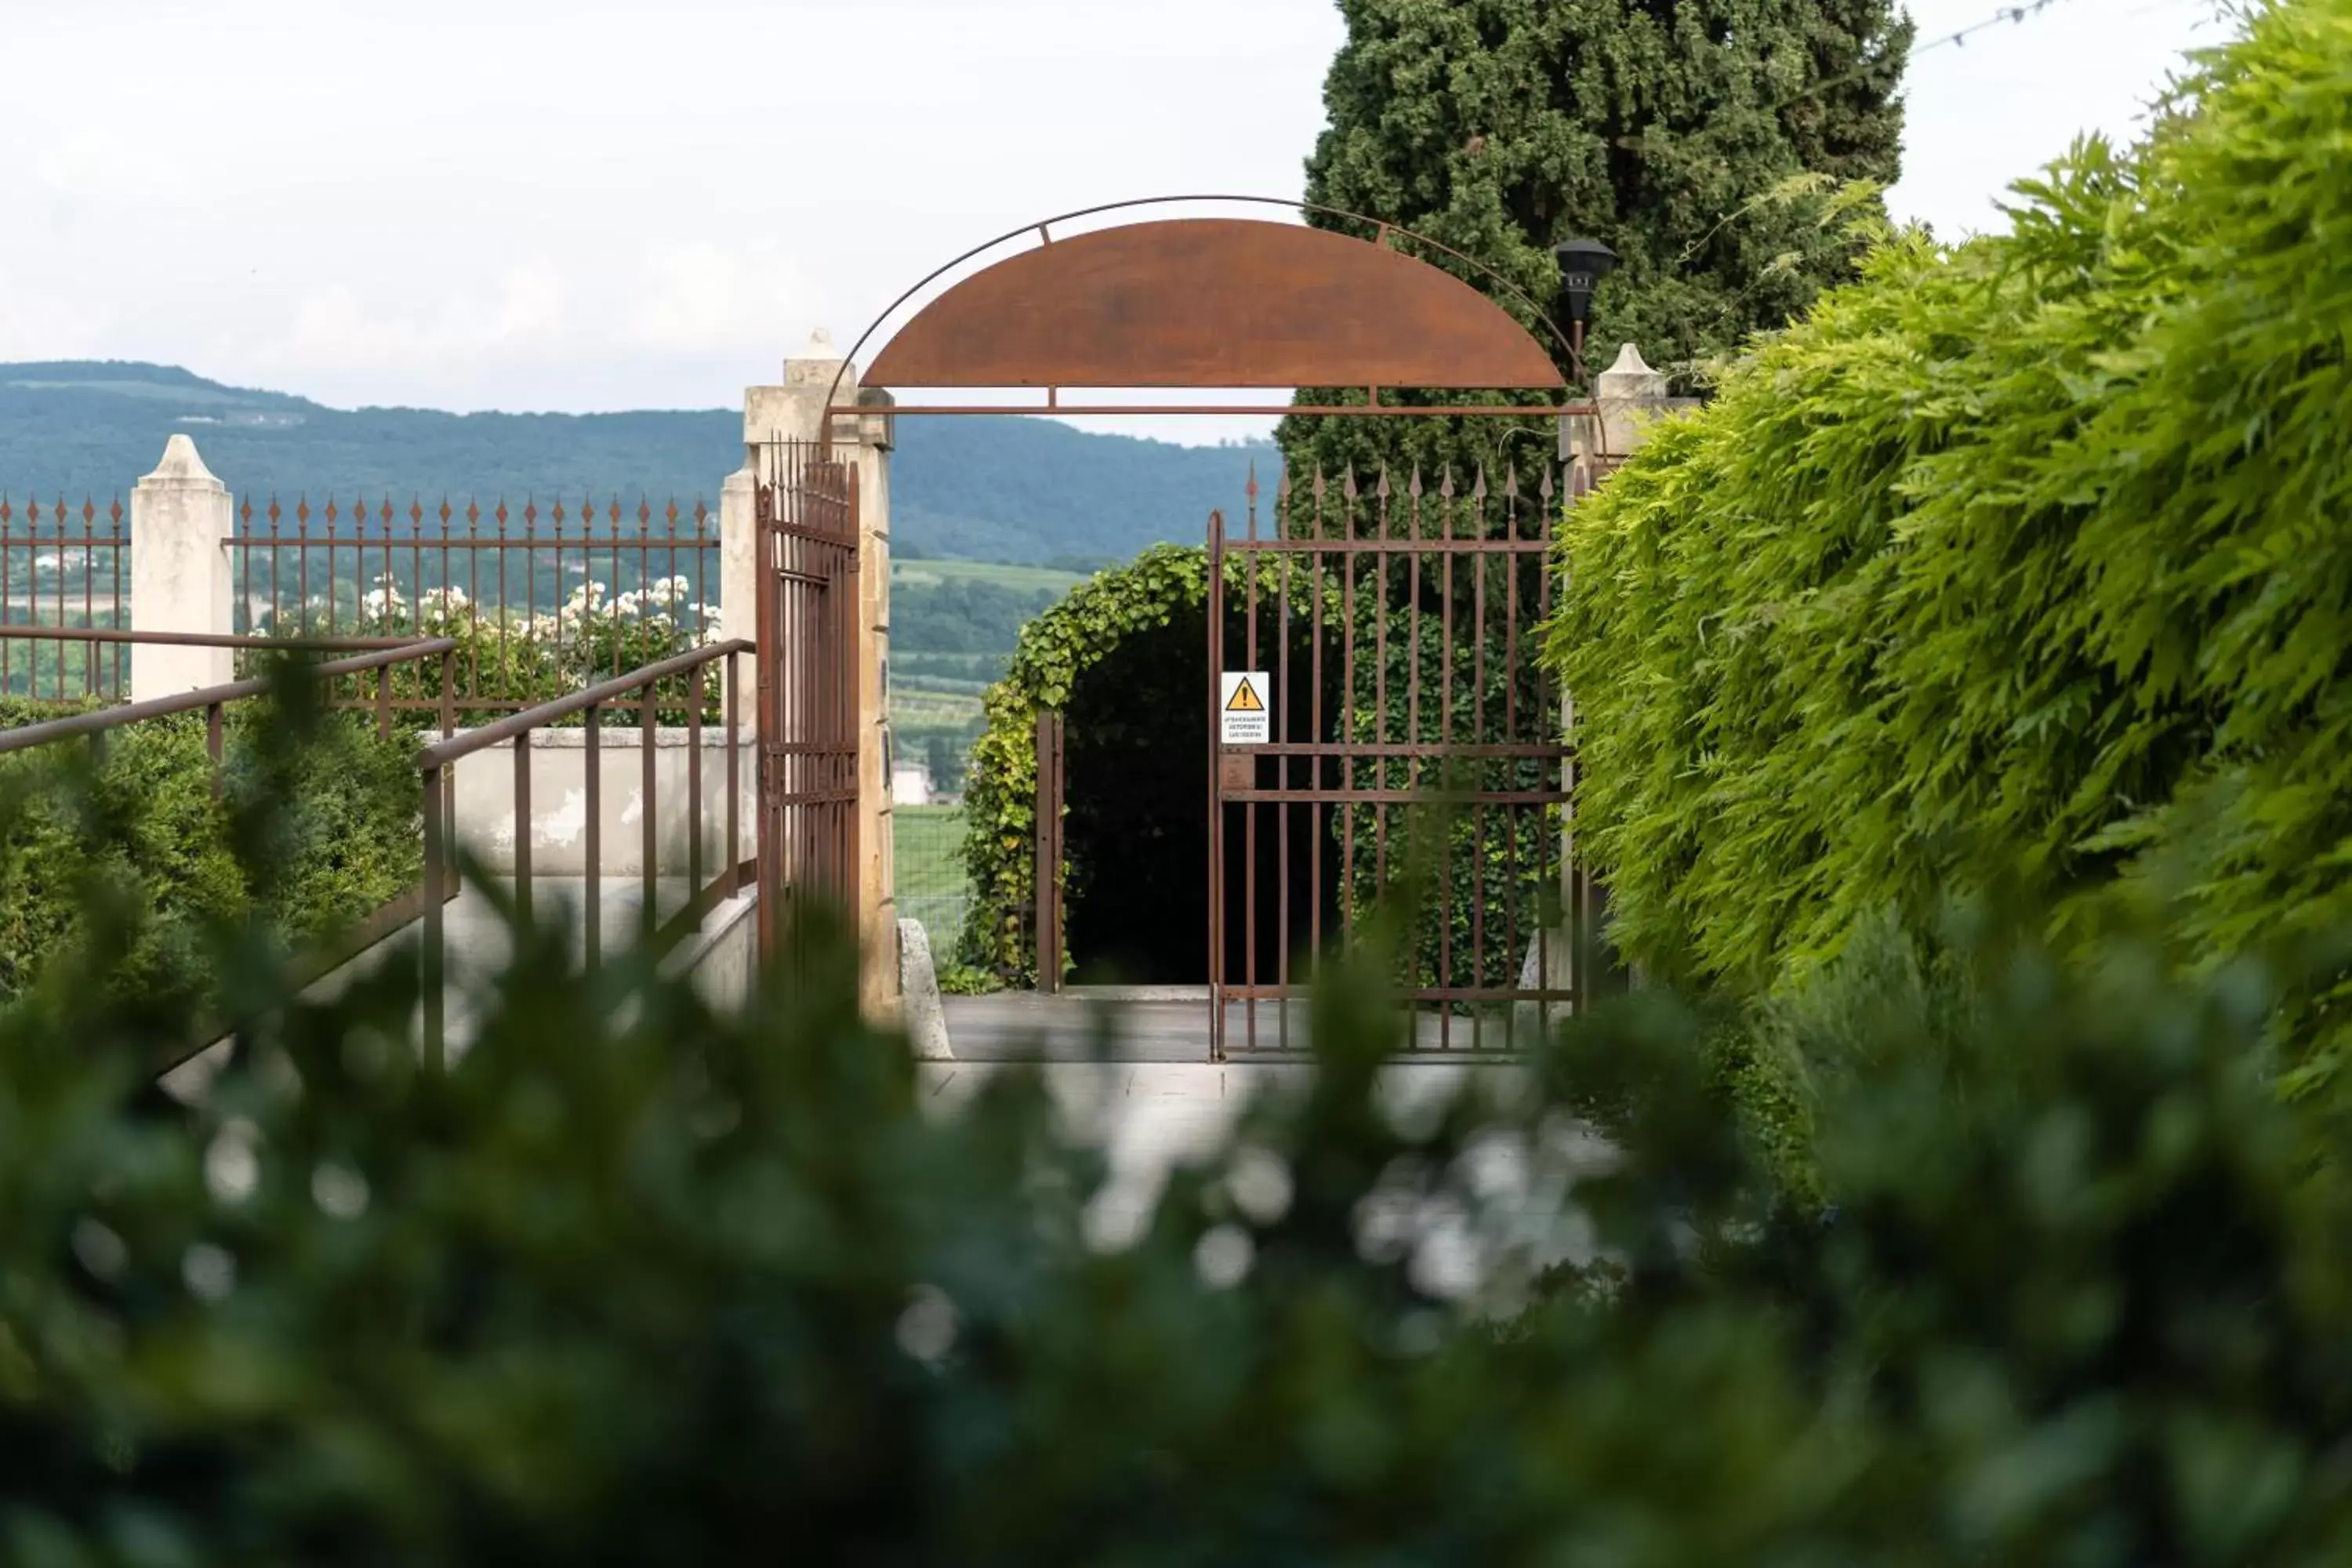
909,573
933,886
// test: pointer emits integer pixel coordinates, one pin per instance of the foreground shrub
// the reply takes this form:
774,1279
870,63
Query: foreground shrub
136,841
637,1282
2021,564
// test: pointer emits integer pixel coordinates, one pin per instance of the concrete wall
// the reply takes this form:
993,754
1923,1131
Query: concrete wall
724,956
558,801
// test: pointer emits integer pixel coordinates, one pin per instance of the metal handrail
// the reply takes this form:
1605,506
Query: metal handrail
435,759
460,747
202,639
51,731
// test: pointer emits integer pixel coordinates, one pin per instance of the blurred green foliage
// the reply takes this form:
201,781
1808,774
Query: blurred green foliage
2020,564
132,836
635,1281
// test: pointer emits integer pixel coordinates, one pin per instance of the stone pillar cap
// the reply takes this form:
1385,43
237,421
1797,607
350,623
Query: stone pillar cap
1630,362
183,465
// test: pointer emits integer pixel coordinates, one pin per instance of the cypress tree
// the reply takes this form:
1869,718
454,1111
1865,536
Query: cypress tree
1712,143
1720,147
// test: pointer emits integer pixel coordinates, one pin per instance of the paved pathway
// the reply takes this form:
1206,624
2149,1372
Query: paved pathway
1151,1118
1155,1024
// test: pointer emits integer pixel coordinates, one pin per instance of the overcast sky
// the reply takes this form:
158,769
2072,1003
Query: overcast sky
589,205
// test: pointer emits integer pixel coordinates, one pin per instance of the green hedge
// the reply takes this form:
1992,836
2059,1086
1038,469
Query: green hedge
1000,784
139,838
2022,563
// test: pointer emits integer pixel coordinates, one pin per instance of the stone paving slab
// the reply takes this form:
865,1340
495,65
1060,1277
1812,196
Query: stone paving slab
1151,1118
1155,1024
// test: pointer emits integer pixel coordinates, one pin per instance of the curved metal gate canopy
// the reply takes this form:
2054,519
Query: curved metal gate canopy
1214,303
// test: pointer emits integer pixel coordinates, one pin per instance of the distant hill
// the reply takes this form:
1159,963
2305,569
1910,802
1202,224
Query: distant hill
1022,490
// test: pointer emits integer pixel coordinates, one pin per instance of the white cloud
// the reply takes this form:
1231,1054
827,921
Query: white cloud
532,300
40,325
707,298
334,328
100,166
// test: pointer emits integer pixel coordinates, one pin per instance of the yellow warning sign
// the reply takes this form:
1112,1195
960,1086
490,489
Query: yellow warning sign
1245,721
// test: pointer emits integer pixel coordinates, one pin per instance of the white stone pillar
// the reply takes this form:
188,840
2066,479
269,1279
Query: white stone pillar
180,519
739,555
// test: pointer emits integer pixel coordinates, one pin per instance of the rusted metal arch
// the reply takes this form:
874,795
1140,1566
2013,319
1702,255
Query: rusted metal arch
1521,380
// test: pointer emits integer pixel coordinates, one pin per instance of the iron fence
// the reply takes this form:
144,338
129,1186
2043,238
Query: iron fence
933,886
543,601
68,567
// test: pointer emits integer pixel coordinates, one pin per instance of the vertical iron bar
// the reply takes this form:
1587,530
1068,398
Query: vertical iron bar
1444,818
1317,814
1216,602
767,496
694,687
212,744
1543,852
58,676
734,685
1046,869
1250,808
8,547
1485,771
593,907
1348,698
1380,769
523,828
649,787
436,959
1280,697
89,589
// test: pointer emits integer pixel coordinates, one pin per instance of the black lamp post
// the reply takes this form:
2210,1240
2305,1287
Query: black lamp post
1583,263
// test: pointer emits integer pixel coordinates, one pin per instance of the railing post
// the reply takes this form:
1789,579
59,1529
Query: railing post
694,701
594,911
734,775
212,744
649,799
523,829
435,959
1048,837
180,519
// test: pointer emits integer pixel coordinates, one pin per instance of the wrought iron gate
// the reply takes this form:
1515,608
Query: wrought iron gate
808,533
1412,743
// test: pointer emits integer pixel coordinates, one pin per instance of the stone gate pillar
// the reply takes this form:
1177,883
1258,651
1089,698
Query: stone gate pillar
794,411
1628,398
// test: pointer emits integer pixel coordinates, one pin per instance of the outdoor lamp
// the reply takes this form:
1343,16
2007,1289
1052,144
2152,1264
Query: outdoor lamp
1583,263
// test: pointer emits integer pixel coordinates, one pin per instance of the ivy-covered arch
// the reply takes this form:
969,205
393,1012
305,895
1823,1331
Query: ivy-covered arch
1000,789
1096,623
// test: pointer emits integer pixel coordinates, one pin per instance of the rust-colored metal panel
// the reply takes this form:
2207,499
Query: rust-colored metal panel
1214,303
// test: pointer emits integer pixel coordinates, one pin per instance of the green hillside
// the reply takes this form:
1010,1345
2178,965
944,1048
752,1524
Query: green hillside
953,627
1031,491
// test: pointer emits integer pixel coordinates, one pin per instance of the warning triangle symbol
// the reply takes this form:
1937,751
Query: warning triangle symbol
1245,700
